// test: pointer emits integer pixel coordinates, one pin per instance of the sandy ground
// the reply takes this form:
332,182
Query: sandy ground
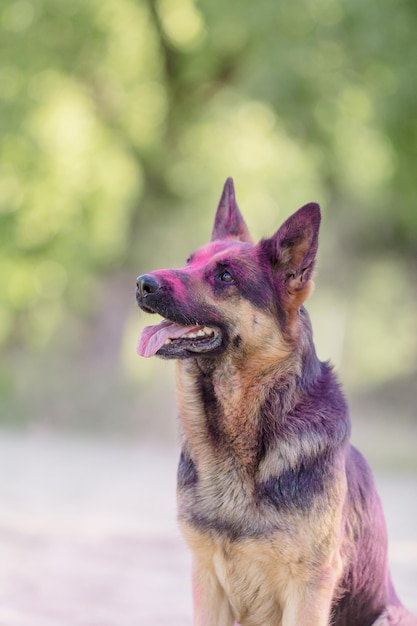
88,535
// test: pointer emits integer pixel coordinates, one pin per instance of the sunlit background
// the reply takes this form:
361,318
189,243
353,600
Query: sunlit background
120,121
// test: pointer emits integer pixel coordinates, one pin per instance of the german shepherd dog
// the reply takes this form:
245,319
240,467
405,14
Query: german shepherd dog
279,510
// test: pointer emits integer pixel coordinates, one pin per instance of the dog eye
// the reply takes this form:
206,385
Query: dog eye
226,277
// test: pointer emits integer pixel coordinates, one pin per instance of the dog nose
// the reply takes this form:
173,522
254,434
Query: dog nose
146,285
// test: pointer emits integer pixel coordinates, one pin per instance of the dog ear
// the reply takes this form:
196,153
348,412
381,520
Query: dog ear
228,222
292,251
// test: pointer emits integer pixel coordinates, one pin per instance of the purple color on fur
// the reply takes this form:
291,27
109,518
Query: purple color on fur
229,223
302,409
366,588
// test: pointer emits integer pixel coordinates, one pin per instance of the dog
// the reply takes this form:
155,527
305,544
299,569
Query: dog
279,509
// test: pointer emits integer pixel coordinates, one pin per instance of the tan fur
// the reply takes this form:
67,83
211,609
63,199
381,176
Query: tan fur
278,536
297,297
237,381
278,581
288,578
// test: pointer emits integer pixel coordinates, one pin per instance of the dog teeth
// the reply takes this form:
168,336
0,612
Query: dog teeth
203,332
200,334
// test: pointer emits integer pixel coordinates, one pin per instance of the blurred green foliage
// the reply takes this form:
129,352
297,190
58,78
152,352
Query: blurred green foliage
120,120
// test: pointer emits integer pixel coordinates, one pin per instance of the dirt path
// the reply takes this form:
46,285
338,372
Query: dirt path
88,535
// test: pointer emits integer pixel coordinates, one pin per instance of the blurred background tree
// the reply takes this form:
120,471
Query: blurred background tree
120,120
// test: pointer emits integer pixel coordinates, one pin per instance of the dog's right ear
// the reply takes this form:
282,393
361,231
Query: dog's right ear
229,223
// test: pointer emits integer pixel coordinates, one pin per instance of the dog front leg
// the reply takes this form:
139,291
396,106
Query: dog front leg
211,606
309,604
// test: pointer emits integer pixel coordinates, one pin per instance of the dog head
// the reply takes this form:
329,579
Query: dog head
232,294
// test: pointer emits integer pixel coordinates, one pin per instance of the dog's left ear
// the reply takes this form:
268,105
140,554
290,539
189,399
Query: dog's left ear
228,222
292,251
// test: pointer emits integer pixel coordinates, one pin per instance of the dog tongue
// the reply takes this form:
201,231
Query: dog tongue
153,337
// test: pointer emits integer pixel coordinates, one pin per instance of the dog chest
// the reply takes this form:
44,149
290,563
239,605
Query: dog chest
252,574
225,504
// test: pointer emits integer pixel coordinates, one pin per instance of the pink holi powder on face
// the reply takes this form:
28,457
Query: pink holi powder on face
153,337
209,252
171,278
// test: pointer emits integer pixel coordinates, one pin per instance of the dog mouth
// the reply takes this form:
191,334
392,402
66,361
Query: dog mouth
171,340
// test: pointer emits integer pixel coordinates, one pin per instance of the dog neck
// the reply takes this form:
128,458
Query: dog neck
220,405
